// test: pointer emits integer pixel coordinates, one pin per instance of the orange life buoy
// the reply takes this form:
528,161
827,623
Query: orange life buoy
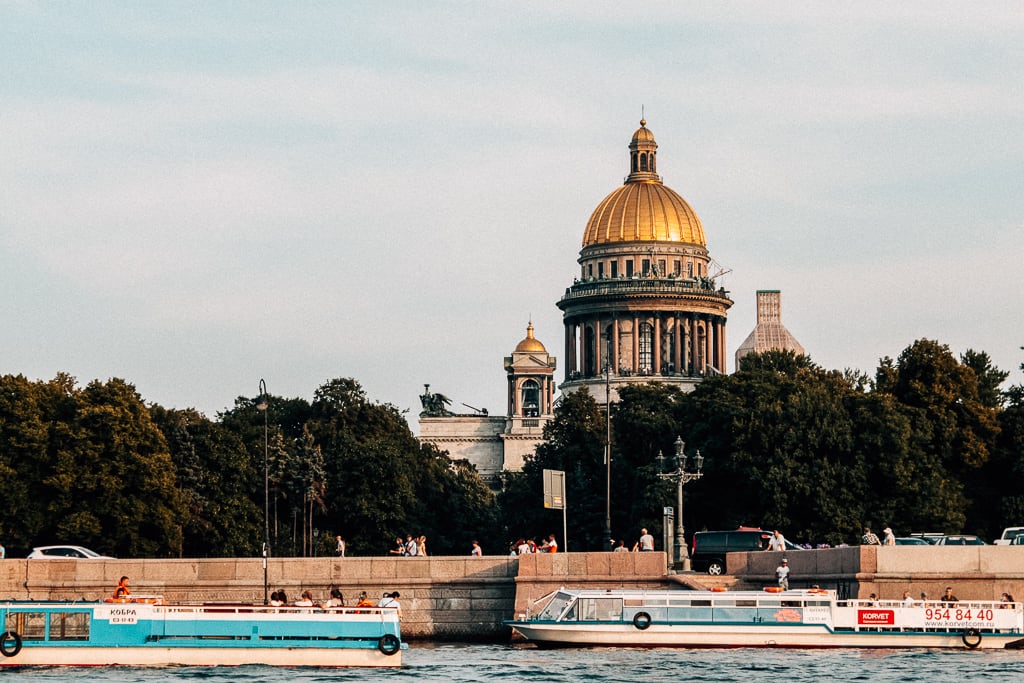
773,589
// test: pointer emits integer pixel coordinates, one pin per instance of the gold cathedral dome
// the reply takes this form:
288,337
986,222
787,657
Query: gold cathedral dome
530,344
643,209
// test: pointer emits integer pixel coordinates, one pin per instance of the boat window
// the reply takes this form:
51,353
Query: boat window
69,626
30,625
746,603
679,603
555,607
701,603
725,603
600,609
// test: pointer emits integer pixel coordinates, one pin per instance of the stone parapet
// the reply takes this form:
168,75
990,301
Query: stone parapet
974,572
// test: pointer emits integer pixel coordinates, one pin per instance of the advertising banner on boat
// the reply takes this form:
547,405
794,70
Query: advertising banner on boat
876,617
959,617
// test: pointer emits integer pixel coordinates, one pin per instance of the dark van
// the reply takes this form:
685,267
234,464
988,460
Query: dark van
710,547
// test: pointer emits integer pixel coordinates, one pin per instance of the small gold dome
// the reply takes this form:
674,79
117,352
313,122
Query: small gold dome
642,134
530,345
643,209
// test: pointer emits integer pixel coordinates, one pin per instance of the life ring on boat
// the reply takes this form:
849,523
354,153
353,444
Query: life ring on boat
817,591
971,638
773,589
642,620
10,644
718,589
389,644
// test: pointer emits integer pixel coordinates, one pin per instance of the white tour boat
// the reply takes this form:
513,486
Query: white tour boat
794,618
144,631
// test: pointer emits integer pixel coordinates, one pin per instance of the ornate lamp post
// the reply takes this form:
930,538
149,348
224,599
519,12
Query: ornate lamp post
681,477
608,457
262,406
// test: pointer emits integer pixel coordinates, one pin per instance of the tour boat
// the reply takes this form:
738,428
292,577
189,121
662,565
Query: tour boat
145,631
793,618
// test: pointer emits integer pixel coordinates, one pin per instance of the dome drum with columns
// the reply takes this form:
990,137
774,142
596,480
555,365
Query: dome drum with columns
645,306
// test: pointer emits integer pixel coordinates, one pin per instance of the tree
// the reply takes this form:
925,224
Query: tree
575,445
216,478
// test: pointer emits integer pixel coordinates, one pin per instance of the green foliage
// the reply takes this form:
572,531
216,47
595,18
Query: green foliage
931,444
93,468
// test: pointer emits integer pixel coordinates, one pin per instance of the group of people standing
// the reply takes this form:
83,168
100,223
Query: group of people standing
528,545
871,538
412,546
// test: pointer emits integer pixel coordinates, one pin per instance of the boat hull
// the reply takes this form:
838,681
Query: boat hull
812,636
154,656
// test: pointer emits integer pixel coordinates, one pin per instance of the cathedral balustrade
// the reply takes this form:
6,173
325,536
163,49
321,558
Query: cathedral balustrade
626,286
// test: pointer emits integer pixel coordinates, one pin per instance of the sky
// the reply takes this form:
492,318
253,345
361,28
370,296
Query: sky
197,196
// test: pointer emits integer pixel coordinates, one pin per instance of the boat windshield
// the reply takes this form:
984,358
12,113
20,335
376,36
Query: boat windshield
556,606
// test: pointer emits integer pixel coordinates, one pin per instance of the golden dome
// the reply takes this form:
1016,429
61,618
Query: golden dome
643,209
642,134
530,344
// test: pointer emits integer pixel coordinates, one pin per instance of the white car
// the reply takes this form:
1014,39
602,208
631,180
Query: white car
1010,534
65,552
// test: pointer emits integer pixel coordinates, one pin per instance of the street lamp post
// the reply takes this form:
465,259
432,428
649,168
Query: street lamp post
263,406
607,458
681,477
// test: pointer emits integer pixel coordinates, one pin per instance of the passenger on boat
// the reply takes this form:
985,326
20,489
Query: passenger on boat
336,599
390,600
873,600
1007,601
306,600
364,601
948,598
908,601
278,598
122,589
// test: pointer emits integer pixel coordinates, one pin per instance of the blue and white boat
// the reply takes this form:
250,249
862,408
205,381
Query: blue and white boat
144,631
795,618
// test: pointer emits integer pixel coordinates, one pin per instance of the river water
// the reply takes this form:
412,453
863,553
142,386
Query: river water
458,663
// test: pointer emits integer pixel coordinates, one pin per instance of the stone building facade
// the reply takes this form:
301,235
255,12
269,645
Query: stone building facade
494,444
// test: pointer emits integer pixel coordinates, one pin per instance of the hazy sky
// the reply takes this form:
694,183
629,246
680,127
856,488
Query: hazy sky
197,196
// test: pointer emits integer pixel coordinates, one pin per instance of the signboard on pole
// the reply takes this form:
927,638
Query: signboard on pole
554,489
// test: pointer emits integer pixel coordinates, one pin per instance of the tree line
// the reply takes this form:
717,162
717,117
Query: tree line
929,443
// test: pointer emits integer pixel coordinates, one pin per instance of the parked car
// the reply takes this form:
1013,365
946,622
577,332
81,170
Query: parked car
65,552
930,537
960,539
1010,534
911,540
708,548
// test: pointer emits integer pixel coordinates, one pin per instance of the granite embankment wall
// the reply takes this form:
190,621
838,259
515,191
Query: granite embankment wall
981,572
465,598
